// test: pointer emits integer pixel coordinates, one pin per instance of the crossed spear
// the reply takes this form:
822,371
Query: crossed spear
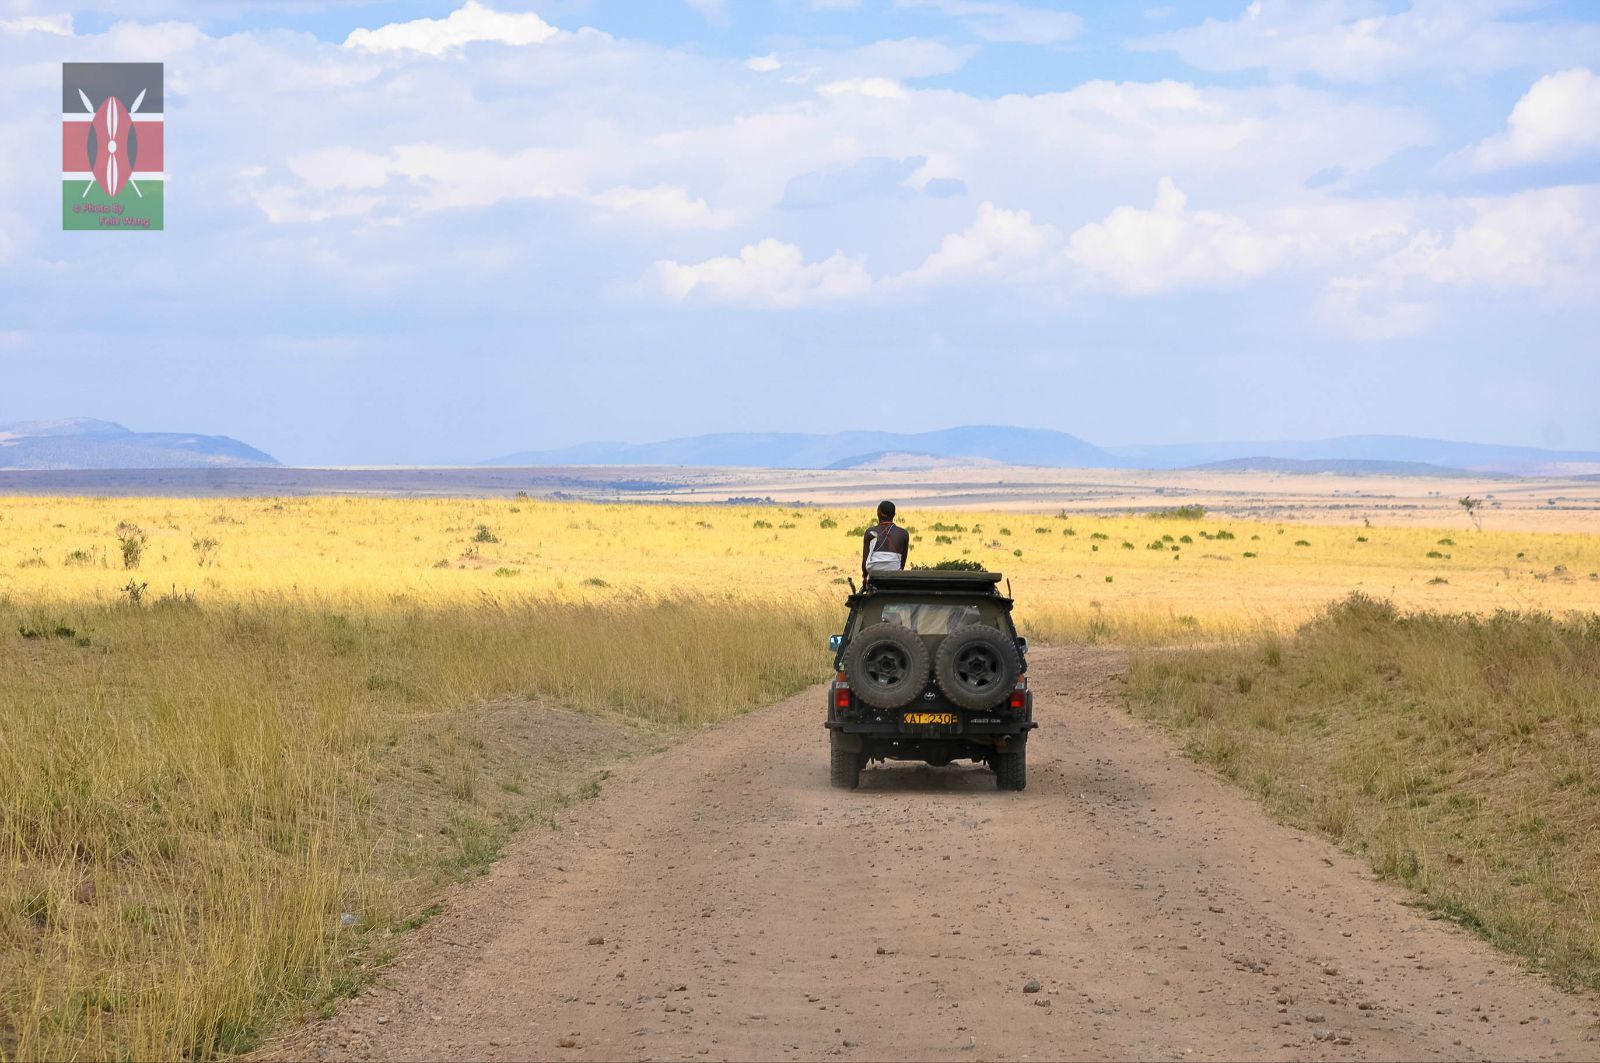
111,127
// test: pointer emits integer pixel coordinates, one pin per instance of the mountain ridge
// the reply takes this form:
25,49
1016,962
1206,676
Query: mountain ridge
88,443
1051,449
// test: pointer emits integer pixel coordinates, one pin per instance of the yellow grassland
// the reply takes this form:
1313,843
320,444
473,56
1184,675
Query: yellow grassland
1068,582
1458,754
266,715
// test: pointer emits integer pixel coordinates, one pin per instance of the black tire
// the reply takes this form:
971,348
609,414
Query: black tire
1011,769
977,667
844,765
886,665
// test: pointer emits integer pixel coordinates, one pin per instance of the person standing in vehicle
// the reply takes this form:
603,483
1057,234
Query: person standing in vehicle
886,546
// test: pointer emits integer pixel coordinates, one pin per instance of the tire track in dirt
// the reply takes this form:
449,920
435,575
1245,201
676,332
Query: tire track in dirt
719,901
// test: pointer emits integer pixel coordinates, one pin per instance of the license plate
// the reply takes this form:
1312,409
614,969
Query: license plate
945,718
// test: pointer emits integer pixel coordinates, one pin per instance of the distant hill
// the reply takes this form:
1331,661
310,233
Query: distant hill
1472,457
85,443
1037,446
1337,466
889,459
795,450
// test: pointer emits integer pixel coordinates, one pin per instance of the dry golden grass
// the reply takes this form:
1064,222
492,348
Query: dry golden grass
234,717
231,778
1073,577
1460,754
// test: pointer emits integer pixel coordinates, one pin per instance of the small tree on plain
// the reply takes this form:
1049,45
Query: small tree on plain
1474,508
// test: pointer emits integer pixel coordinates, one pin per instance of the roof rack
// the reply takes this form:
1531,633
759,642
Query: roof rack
921,579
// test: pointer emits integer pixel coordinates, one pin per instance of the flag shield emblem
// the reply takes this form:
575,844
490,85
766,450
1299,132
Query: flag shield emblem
113,146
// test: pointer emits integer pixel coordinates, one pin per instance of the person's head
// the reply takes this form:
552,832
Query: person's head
886,510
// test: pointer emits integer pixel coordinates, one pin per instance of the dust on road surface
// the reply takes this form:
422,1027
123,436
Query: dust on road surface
718,900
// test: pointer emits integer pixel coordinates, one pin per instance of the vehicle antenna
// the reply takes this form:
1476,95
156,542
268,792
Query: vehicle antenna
1008,586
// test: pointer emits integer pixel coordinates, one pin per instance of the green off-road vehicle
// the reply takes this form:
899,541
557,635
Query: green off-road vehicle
930,668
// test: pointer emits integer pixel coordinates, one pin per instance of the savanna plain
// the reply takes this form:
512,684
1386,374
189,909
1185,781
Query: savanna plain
246,743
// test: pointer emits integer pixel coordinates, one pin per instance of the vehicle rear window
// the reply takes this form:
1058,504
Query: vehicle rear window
927,618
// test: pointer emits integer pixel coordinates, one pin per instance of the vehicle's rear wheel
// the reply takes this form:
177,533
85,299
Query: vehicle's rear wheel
887,665
977,667
1011,768
844,765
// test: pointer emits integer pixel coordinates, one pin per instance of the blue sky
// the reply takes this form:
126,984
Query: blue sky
415,232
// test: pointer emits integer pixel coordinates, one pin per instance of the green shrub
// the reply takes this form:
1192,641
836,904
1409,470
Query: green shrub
953,565
1191,512
131,540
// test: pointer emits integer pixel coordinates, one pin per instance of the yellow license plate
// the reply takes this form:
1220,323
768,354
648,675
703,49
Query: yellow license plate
931,717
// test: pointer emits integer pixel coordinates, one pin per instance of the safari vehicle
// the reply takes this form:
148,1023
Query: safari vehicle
929,667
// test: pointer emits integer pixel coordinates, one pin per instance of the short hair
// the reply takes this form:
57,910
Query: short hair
886,510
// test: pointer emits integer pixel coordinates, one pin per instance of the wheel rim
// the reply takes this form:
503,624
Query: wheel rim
885,665
977,668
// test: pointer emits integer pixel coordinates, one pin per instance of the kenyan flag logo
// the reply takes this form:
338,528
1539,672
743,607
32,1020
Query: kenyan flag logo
112,146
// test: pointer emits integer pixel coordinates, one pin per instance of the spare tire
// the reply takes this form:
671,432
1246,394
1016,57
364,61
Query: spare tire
886,665
977,667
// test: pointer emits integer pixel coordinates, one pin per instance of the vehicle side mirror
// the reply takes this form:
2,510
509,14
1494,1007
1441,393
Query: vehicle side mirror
834,642
1022,645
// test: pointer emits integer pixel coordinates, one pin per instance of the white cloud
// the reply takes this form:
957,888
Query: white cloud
338,167
874,88
58,25
770,274
1547,239
624,142
1224,145
763,64
429,177
470,23
1365,309
662,205
1545,242
999,244
714,10
1365,40
1142,252
893,60
835,5
993,20
1558,119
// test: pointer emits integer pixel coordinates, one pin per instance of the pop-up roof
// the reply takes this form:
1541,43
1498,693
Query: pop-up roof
930,579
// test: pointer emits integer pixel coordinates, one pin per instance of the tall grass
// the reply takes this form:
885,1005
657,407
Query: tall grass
1092,623
204,823
1459,753
1215,569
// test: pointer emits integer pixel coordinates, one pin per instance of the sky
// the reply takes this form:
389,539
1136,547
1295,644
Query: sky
408,232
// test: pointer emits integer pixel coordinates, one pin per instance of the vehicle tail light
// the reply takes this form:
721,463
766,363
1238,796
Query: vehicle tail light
1019,696
841,697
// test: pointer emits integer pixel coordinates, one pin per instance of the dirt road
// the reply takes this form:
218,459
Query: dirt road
718,900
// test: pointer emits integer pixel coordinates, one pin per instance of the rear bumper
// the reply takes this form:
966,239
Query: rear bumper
926,733
858,719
